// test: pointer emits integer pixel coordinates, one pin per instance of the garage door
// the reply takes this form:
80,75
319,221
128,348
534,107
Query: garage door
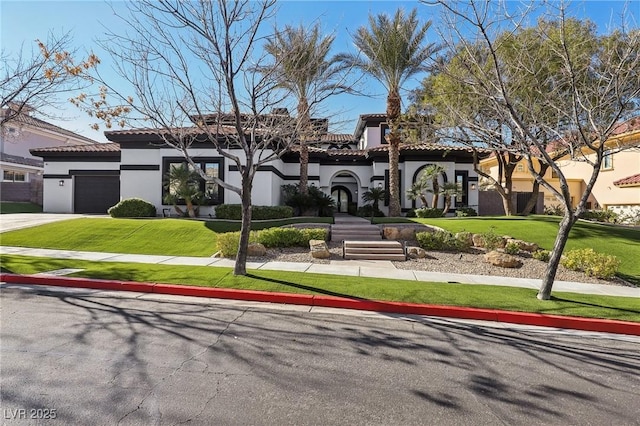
95,194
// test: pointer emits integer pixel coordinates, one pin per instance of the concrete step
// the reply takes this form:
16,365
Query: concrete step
342,237
374,250
369,256
385,244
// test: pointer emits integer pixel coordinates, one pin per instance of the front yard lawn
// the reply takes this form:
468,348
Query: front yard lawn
172,237
622,242
478,296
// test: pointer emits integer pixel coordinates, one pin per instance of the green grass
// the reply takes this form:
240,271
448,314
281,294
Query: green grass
622,242
7,207
176,237
479,296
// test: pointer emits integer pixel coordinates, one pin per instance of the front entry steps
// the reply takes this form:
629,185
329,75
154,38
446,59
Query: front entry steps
355,231
373,250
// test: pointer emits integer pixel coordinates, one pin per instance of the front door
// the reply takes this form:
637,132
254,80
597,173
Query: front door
342,197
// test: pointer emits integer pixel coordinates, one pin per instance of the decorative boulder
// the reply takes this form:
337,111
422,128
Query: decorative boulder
477,240
407,233
416,252
525,246
390,233
319,249
502,259
467,236
256,249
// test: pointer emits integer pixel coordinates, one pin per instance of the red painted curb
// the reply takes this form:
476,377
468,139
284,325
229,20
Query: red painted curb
578,323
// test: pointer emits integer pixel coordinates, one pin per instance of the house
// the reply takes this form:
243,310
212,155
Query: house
21,171
89,179
618,184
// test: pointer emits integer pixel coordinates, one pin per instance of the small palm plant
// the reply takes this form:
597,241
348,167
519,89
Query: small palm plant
374,196
449,190
182,183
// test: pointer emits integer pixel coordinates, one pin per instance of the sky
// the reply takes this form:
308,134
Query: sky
23,21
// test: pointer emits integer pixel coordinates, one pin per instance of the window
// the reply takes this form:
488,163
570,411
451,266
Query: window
384,132
212,167
607,161
520,168
13,176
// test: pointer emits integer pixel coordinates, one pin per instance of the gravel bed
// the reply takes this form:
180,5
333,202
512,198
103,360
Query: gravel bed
436,261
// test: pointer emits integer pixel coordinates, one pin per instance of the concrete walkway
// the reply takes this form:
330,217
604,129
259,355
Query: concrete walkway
359,268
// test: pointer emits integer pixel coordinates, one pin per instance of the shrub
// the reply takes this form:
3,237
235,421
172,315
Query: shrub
512,248
228,242
429,212
280,237
554,210
542,255
608,216
491,240
367,210
314,202
234,212
591,263
133,207
411,213
442,240
313,234
466,211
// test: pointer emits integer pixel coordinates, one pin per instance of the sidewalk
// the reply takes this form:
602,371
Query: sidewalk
362,268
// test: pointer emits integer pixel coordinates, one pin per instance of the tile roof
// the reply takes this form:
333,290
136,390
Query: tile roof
225,130
97,147
425,147
633,180
15,159
41,124
336,137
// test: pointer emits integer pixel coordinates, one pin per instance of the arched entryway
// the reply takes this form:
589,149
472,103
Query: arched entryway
342,197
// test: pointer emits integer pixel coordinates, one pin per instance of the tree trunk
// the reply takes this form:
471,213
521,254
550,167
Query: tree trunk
190,210
394,196
304,168
241,257
507,202
533,201
423,200
393,114
304,125
447,204
435,186
552,267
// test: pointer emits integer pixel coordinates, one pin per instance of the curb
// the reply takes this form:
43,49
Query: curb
577,323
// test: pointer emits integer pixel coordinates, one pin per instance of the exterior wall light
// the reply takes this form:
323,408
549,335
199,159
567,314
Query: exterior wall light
473,186
61,182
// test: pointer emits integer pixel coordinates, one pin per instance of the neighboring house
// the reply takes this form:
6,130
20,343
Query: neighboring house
88,179
21,171
618,184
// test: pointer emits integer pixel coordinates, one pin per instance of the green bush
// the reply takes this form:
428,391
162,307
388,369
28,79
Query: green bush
542,255
429,212
234,212
466,211
491,240
228,242
554,210
280,237
607,216
366,210
442,240
313,234
313,203
512,248
411,213
591,263
133,207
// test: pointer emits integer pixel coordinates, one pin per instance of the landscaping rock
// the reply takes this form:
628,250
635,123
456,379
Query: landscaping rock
319,249
468,237
390,233
256,249
416,252
407,234
502,259
524,246
477,240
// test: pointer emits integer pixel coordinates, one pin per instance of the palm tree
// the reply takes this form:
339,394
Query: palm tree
374,196
182,183
431,173
302,67
392,50
448,190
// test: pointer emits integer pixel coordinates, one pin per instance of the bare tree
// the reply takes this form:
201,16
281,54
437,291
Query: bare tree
565,84
36,80
193,68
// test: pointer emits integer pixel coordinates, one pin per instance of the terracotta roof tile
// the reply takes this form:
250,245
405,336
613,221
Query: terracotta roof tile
97,147
336,137
425,147
628,181
41,124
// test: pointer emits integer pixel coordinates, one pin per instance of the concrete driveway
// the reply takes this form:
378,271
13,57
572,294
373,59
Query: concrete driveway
11,222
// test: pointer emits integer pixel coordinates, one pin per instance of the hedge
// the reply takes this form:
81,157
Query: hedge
271,237
234,212
133,207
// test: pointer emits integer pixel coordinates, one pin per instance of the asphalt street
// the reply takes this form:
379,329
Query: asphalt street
91,357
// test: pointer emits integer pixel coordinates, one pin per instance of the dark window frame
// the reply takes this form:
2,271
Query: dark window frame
202,162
